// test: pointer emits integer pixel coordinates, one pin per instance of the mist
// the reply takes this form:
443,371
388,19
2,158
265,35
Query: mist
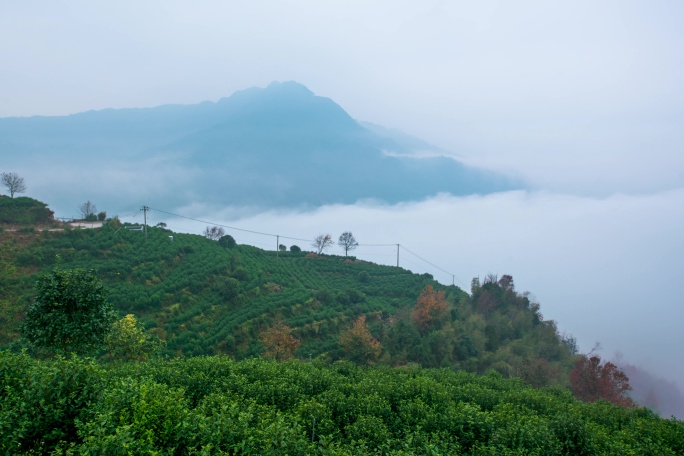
583,100
605,269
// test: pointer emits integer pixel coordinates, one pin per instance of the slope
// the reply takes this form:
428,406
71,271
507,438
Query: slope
202,298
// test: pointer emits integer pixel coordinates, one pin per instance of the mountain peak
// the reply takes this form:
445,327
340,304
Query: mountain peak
276,90
289,87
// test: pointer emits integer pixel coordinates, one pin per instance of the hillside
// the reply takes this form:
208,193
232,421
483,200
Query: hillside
278,146
24,211
202,298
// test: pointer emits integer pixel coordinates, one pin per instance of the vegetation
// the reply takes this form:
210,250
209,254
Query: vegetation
23,211
88,211
322,242
13,183
591,380
214,233
70,313
318,321
348,242
201,298
216,405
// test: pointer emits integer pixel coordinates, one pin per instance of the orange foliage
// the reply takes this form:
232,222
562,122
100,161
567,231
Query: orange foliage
430,307
358,343
279,341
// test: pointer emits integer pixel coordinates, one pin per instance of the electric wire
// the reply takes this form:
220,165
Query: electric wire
307,240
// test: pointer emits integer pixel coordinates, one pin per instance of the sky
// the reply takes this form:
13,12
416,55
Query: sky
584,100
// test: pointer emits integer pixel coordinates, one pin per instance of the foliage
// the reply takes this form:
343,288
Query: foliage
295,249
203,299
24,211
591,381
70,312
41,402
128,340
347,241
216,405
227,241
88,211
431,307
279,341
13,182
214,233
322,242
358,344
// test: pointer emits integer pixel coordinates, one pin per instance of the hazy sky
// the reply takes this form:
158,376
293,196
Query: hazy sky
584,99
581,96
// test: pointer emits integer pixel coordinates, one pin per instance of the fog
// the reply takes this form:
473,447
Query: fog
584,100
605,269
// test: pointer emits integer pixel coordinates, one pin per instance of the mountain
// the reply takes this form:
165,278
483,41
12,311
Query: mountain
276,146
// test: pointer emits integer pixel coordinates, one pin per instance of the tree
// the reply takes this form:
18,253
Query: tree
70,313
431,306
279,341
227,241
88,211
590,381
295,249
128,340
214,233
358,343
102,216
13,182
282,247
347,242
322,242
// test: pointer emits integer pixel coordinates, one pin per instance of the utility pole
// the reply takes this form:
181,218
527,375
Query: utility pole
277,247
145,209
397,255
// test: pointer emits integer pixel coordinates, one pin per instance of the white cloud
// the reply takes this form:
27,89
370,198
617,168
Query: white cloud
606,269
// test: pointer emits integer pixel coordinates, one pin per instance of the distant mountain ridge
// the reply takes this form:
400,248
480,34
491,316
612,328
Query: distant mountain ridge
276,146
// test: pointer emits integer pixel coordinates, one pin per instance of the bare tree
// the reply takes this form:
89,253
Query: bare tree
214,233
322,242
347,242
88,210
13,182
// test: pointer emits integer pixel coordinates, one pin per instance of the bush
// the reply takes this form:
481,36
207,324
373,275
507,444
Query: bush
41,402
227,241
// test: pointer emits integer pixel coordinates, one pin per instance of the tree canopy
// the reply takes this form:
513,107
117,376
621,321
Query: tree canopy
13,182
88,210
347,241
322,242
591,380
214,233
70,314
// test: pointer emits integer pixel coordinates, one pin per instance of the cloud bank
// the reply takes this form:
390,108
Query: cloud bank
606,269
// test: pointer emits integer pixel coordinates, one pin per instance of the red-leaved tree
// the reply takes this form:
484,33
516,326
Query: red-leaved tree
358,344
431,306
279,341
591,381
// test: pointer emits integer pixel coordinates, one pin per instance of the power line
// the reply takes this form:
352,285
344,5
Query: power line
215,224
423,259
278,237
